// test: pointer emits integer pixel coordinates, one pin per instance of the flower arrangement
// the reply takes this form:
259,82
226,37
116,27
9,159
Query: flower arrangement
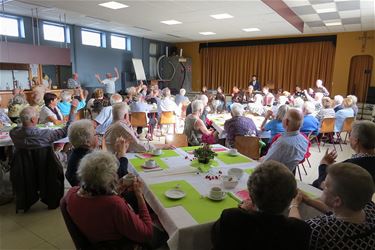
204,154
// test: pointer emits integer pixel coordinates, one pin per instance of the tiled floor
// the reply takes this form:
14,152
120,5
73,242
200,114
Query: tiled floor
40,228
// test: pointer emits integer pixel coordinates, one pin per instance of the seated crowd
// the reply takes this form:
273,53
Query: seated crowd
110,212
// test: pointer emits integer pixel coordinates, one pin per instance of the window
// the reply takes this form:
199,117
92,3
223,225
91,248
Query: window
55,32
93,38
118,42
9,26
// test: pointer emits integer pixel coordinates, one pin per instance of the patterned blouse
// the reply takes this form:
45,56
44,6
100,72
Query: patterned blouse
328,232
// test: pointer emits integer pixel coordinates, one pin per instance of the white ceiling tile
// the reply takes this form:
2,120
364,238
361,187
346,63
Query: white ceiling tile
310,18
350,13
297,3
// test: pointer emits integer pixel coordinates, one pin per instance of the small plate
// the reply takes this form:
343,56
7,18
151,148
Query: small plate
175,194
217,198
146,167
156,154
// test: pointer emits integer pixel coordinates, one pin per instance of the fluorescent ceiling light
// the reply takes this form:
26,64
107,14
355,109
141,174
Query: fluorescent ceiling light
221,16
171,22
251,29
113,5
333,24
207,33
328,10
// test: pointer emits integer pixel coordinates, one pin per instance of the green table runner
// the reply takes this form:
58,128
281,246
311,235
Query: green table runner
202,209
249,171
188,149
228,159
204,168
138,163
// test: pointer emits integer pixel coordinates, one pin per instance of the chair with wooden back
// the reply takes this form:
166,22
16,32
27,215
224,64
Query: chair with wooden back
327,128
247,145
176,140
346,127
138,119
167,118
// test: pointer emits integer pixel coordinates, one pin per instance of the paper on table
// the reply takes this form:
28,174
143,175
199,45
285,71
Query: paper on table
202,209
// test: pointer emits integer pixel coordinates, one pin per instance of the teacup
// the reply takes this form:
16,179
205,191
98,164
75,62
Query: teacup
49,124
230,181
128,179
150,163
236,172
157,151
232,151
216,192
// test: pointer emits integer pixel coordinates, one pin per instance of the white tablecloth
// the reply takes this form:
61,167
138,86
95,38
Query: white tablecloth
183,230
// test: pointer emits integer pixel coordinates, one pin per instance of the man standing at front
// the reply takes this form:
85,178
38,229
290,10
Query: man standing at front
255,83
290,148
109,82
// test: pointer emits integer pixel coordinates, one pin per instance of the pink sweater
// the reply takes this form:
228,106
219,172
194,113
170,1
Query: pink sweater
108,217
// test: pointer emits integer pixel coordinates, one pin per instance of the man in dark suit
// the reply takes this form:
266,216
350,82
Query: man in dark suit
255,83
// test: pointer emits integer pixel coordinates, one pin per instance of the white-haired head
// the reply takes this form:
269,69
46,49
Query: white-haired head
308,108
28,115
115,98
354,99
66,96
182,92
97,172
204,99
319,83
197,106
338,99
81,133
119,110
236,109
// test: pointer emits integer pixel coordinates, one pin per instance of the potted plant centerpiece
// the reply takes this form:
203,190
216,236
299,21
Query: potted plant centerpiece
204,154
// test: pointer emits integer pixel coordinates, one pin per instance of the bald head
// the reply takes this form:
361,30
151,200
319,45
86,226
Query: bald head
293,120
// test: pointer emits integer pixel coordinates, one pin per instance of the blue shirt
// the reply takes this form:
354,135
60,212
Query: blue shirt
275,126
289,149
180,99
65,107
310,123
340,117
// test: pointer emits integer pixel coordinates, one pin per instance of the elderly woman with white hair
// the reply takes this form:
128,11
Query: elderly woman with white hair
310,123
275,126
337,100
327,111
99,212
238,125
167,103
204,114
354,105
362,141
194,127
257,107
83,137
66,99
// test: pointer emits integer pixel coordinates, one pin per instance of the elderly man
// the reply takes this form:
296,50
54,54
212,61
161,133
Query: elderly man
238,125
28,136
291,147
181,98
120,128
104,119
166,104
109,82
74,82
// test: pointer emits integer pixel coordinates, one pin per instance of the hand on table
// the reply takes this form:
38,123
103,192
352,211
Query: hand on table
329,157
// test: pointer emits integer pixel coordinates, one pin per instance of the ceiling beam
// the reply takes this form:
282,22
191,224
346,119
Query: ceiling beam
285,12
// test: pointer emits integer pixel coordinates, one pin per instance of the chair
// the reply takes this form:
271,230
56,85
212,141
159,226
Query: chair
311,137
177,140
327,127
247,145
138,119
167,118
346,127
36,174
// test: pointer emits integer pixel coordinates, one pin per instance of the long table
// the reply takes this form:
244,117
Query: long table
187,230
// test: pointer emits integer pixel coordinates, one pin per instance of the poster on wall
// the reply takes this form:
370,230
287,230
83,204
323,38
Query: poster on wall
34,70
139,70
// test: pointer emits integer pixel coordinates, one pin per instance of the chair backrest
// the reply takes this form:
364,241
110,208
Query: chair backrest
347,126
177,140
138,119
327,125
79,239
247,145
167,117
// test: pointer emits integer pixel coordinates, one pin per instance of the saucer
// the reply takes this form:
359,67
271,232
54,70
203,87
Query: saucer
156,154
150,167
175,194
217,198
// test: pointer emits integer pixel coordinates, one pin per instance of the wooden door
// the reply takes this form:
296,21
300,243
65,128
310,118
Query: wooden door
360,76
